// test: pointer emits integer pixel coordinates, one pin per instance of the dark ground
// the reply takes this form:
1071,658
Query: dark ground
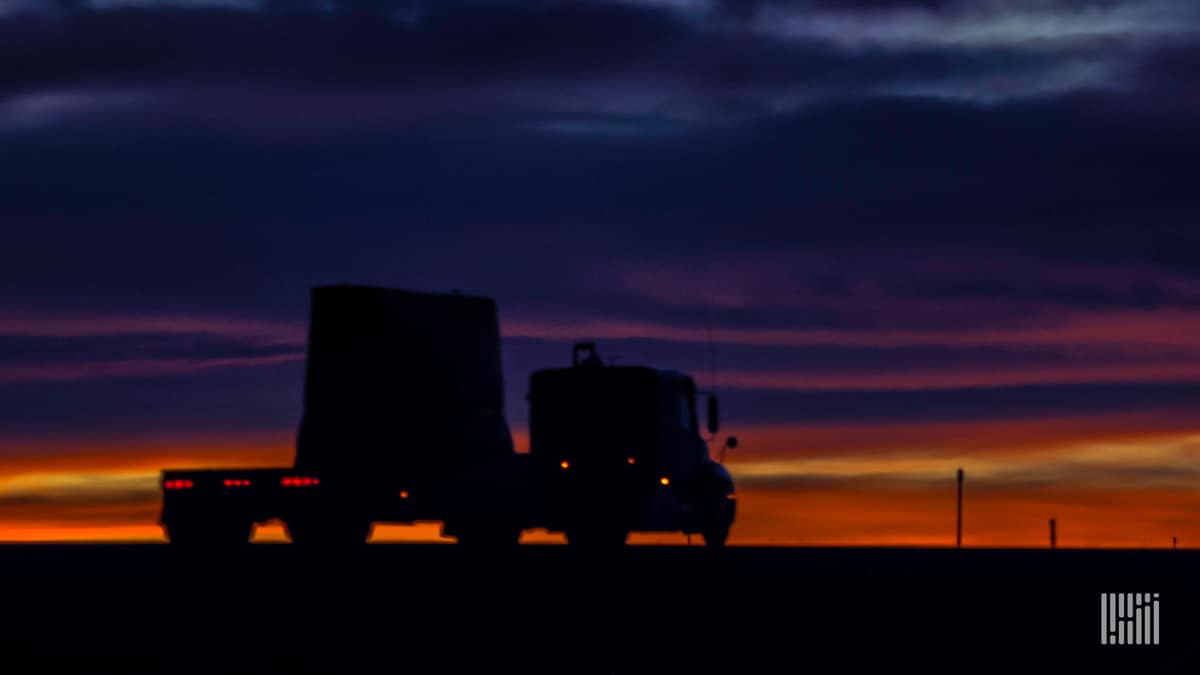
395,608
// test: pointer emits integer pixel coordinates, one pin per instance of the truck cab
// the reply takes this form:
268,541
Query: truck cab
622,451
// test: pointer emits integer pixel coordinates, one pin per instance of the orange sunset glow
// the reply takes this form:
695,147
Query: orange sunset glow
1112,482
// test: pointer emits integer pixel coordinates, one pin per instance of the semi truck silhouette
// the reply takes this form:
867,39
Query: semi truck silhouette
404,422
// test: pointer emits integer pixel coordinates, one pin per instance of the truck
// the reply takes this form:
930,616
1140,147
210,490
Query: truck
404,422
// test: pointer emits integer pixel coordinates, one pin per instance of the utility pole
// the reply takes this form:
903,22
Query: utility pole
1053,537
958,536
1174,543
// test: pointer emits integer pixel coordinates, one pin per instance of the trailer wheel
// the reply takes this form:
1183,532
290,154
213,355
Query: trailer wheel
209,534
314,532
597,538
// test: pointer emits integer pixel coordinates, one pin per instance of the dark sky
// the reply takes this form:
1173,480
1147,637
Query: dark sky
926,214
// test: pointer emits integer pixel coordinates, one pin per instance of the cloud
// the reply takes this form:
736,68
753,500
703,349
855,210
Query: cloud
1133,329
901,321
130,453
1073,457
997,441
962,378
21,112
1018,23
97,325
867,321
131,368
35,489
398,65
64,348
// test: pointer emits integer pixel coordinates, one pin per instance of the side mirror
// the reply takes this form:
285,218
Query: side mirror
714,418
731,442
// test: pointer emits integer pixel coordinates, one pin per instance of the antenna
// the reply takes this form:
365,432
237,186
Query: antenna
712,365
712,350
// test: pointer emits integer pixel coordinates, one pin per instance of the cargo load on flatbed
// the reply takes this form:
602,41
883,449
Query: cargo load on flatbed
400,380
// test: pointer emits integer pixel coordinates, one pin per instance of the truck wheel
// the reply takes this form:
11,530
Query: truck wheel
596,538
715,535
488,537
718,522
209,534
306,532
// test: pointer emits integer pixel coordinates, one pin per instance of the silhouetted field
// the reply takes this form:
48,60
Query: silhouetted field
392,608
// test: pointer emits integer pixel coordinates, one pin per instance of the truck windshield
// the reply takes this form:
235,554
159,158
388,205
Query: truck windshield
601,415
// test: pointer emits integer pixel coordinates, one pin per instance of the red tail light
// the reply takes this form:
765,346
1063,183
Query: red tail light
237,482
299,481
178,484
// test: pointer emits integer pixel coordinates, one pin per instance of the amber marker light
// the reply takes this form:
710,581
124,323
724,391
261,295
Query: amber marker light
664,480
565,465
